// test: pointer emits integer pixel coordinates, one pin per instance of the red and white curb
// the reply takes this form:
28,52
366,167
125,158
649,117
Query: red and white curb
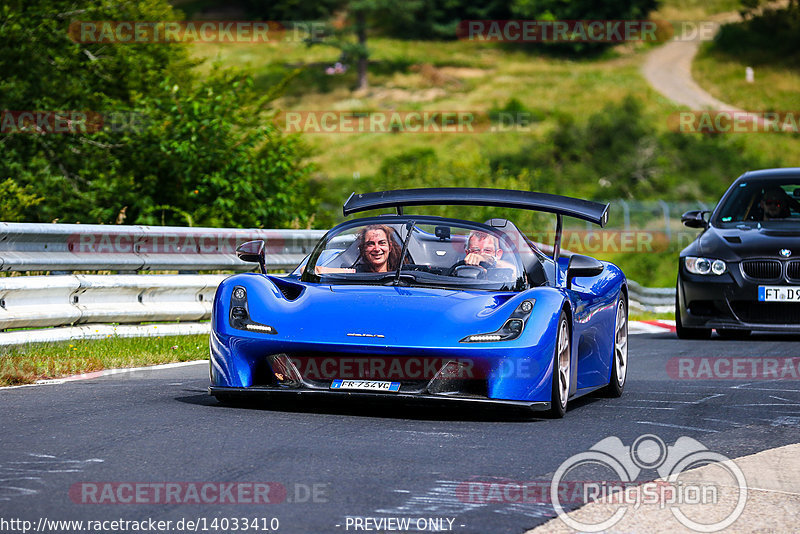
106,372
651,327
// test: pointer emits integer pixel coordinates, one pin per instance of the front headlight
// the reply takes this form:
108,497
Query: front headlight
705,265
240,314
511,329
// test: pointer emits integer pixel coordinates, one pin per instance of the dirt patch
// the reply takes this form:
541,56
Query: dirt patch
405,95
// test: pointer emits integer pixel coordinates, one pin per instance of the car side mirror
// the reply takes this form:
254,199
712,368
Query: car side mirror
580,266
253,251
695,219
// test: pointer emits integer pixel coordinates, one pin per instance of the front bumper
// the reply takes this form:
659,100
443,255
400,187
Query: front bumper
730,301
249,393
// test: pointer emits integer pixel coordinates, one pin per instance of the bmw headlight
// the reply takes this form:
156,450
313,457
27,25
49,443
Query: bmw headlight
705,266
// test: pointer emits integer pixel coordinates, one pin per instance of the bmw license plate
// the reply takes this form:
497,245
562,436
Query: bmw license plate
367,385
778,294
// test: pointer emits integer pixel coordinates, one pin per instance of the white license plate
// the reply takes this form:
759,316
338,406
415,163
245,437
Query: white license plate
367,385
778,294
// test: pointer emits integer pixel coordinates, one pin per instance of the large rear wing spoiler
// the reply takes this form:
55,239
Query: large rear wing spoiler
594,212
586,210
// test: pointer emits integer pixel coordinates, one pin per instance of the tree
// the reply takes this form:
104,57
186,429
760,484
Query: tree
195,148
352,18
582,10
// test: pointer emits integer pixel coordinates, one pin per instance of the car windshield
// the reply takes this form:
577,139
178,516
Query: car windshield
765,202
414,252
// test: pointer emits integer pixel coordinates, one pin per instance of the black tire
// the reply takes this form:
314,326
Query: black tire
683,332
619,363
732,333
559,394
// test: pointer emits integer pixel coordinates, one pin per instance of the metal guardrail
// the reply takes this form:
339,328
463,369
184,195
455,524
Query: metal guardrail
40,301
65,299
651,299
91,247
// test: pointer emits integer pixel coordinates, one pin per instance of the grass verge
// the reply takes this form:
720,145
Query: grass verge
723,75
25,364
646,316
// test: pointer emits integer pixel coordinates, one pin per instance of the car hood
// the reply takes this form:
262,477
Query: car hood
735,244
384,316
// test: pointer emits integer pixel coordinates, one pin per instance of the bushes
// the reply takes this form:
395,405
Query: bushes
772,37
614,153
199,152
617,153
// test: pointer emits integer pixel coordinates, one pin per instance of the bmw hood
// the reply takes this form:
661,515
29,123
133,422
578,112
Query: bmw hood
735,244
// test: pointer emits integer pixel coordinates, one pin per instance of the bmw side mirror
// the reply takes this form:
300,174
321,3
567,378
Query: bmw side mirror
694,219
580,266
253,251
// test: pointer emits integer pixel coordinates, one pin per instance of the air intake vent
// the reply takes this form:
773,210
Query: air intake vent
762,269
767,312
793,270
733,239
290,290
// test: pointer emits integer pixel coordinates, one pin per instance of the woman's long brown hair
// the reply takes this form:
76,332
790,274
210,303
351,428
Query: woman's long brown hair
394,251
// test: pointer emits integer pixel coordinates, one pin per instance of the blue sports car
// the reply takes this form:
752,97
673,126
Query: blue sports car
426,308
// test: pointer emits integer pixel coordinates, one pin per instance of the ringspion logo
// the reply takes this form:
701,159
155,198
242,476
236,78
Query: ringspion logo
675,489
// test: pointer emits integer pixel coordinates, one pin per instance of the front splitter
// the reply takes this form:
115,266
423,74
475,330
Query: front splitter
451,400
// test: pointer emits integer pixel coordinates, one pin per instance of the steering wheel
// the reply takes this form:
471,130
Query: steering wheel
463,270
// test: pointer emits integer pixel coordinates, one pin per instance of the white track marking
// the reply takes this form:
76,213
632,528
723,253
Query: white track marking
682,427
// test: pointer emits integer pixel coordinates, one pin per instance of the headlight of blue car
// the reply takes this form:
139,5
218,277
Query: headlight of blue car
705,266
511,329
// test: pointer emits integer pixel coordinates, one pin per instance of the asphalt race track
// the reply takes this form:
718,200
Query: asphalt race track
65,446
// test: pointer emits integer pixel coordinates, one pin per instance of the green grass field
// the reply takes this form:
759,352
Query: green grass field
475,76
25,364
776,86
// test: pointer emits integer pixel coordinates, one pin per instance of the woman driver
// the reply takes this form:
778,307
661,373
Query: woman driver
379,252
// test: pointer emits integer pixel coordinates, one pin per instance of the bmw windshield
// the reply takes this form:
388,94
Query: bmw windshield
768,203
418,251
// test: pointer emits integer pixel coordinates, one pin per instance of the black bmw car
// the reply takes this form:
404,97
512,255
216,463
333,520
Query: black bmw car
742,273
